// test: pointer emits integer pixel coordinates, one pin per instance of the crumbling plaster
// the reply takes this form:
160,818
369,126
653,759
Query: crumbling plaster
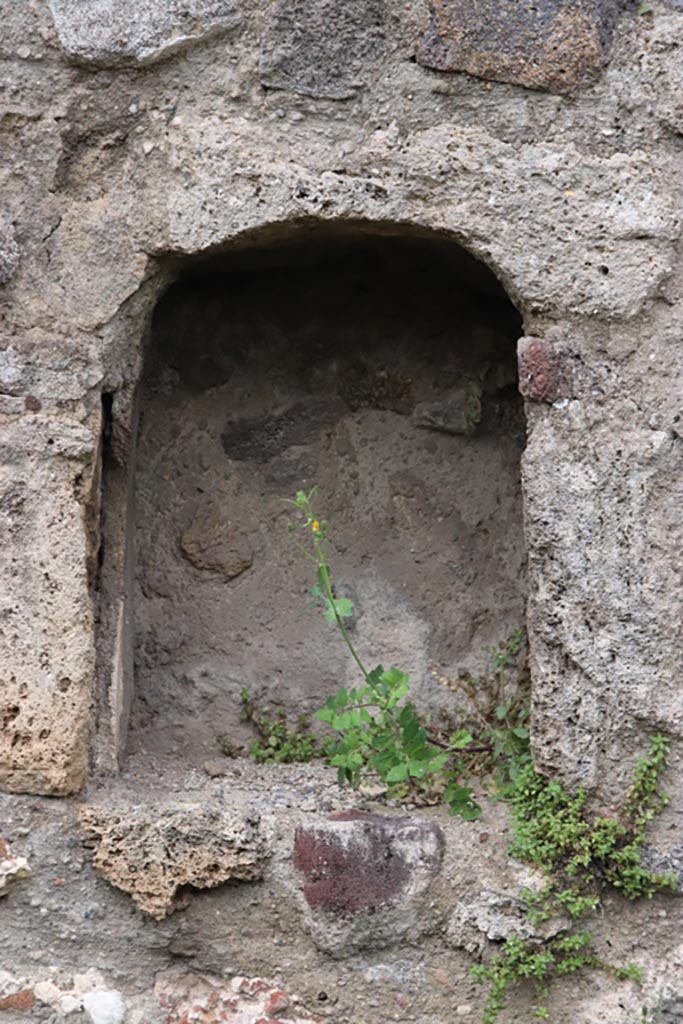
114,175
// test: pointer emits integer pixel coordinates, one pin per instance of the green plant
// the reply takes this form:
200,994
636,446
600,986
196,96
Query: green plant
276,743
380,734
494,707
521,962
580,853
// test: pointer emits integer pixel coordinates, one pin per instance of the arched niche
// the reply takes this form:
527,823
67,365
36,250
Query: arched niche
376,361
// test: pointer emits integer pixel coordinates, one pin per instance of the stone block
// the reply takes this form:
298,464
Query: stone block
12,868
105,32
9,253
320,47
212,543
458,413
555,45
366,878
545,372
497,911
151,851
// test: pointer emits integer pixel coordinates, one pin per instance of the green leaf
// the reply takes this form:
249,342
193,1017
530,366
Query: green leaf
399,773
460,739
460,801
411,728
437,763
395,677
343,607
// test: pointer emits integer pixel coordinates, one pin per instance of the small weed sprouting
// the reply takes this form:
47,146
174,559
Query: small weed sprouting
521,961
494,708
277,743
380,734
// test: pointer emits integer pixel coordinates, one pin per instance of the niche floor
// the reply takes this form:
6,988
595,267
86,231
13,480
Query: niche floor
381,369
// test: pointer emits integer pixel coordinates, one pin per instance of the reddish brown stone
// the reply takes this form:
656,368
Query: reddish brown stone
18,1001
32,404
545,373
556,45
347,872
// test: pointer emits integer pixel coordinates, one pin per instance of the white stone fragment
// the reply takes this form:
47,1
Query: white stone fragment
104,1007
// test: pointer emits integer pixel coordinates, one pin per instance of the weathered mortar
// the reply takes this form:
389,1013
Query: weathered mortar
139,136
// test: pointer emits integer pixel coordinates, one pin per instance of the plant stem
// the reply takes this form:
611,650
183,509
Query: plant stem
328,587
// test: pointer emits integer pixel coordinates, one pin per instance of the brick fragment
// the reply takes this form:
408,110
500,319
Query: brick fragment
23,1000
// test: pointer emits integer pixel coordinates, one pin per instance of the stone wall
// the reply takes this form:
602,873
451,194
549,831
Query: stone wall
140,139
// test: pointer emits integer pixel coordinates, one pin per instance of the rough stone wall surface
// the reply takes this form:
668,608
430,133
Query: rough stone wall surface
285,945
200,126
573,203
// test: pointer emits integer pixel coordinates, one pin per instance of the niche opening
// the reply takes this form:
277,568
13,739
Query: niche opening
378,364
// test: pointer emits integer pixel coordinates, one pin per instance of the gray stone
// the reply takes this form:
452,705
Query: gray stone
9,253
557,45
665,862
104,1007
494,914
458,413
212,543
106,32
664,69
12,868
321,47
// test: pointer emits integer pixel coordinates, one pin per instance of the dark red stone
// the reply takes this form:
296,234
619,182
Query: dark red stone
361,869
277,1003
545,372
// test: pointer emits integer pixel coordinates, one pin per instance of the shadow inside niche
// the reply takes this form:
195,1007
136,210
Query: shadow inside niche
382,368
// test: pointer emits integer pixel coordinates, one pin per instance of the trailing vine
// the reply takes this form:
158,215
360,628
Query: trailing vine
580,853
